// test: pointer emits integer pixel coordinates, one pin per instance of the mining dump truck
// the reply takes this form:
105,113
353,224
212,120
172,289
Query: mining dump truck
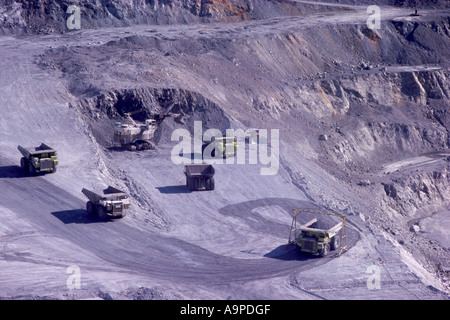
111,203
42,159
318,241
199,176
226,146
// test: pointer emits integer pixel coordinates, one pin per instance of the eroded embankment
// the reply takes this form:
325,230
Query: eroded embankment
102,110
48,17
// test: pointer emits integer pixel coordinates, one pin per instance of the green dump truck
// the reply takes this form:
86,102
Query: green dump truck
224,146
42,159
110,203
318,241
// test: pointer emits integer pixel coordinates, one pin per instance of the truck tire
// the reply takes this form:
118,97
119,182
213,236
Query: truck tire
24,163
210,183
101,212
32,169
189,184
335,242
324,251
90,209
196,184
54,169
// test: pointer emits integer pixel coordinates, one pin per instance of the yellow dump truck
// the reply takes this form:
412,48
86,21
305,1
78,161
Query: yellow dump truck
42,159
318,241
110,203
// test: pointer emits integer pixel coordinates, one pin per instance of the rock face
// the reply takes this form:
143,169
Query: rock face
100,109
45,16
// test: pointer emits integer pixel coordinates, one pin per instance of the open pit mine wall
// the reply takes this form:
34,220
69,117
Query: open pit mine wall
48,16
418,96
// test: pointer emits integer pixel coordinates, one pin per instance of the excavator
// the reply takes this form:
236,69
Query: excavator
134,136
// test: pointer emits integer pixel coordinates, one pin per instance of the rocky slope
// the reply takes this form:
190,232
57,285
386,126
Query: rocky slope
47,17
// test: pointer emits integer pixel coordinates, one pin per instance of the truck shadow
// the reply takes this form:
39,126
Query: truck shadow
174,189
79,216
116,149
289,252
17,172
12,172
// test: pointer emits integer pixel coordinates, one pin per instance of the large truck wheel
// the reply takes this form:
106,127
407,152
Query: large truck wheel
209,183
335,241
196,184
90,209
24,163
101,212
32,170
325,249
